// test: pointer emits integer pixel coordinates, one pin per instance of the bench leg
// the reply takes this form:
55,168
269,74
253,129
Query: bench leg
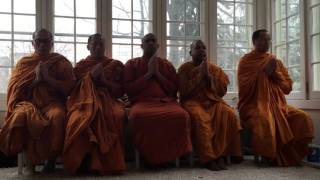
137,159
20,163
177,162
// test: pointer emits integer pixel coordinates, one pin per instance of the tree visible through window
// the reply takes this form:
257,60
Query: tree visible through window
131,20
184,24
234,29
287,26
17,23
74,21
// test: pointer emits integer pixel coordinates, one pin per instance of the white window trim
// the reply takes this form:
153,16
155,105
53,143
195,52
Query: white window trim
313,94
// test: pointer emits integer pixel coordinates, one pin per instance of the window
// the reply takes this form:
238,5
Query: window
184,24
234,30
74,21
287,42
18,22
131,20
315,44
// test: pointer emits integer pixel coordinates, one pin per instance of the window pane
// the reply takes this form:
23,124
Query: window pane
315,45
86,8
64,7
175,29
121,28
294,28
225,32
86,26
64,38
66,49
281,32
82,39
294,53
175,42
243,14
192,30
5,74
121,9
5,36
137,51
82,52
142,9
121,52
176,55
121,40
225,56
5,23
281,52
21,49
280,9
232,85
64,25
295,74
243,36
24,6
225,13
193,10
141,28
316,77
239,53
315,20
293,7
22,36
175,10
5,6
5,51
24,23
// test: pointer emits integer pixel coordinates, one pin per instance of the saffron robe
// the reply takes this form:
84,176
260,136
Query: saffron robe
161,128
95,120
35,118
215,127
279,131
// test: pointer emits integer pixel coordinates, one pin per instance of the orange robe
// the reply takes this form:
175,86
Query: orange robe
95,121
35,118
279,131
161,129
215,127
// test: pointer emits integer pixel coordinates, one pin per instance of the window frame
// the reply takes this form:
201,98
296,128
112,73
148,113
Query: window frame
314,95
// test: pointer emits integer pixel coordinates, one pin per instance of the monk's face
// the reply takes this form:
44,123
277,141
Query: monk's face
149,44
262,44
42,43
198,51
96,47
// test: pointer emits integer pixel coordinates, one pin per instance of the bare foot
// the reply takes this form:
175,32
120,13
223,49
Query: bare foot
49,167
213,166
221,163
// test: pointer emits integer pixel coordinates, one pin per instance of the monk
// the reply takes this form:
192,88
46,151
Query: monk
93,138
161,129
37,91
280,132
215,127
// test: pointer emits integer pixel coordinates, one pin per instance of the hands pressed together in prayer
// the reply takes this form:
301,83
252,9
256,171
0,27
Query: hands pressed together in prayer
42,72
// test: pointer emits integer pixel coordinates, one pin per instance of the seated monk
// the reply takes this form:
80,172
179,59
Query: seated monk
280,132
215,127
37,91
161,128
93,138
